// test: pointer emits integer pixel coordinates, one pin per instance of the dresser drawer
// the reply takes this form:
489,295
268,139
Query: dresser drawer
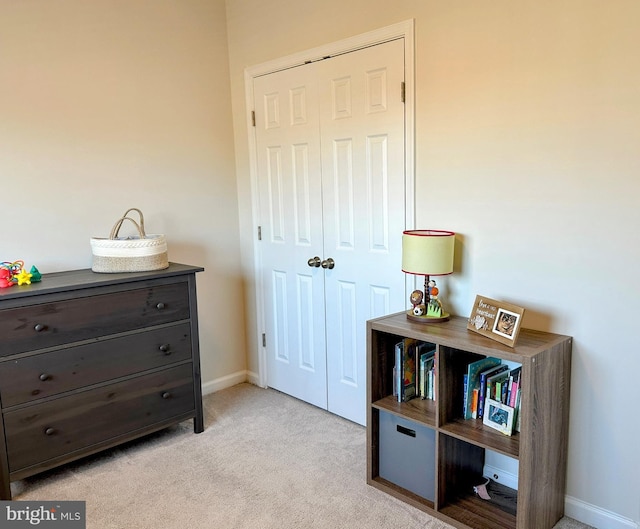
61,426
42,375
61,322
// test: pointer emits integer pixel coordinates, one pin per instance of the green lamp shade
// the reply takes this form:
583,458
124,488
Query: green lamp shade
427,252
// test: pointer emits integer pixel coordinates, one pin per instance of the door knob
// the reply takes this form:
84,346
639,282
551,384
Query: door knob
314,262
328,263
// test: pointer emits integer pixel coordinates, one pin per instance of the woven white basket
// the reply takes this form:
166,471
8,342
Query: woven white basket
129,254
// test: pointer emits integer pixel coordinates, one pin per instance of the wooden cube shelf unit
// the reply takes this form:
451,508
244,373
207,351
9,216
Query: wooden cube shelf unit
540,448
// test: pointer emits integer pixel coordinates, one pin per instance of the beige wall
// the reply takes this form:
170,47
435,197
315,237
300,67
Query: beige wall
106,105
527,127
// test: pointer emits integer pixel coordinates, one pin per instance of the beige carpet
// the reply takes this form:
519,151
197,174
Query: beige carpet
265,460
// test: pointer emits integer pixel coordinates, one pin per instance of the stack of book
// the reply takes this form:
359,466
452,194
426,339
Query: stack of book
414,370
492,393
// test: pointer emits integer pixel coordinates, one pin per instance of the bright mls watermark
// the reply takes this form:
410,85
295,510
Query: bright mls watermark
43,514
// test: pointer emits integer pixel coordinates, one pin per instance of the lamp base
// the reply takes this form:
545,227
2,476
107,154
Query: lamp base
428,319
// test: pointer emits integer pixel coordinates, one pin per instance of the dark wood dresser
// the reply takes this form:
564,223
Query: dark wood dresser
89,361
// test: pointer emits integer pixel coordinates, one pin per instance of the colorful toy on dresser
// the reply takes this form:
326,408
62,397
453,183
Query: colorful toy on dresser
15,274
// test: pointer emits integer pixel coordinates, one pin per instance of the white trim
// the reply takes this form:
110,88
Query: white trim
409,127
371,38
255,215
595,516
225,382
501,476
402,30
410,143
254,378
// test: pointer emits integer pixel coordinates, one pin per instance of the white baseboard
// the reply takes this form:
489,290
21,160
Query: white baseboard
253,378
595,516
501,476
230,380
225,382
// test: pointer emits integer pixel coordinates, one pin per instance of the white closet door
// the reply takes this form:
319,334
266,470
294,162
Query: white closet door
362,138
289,174
330,154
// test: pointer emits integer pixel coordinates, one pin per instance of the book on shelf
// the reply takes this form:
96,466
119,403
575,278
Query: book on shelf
515,398
426,358
409,369
395,381
514,385
516,426
472,381
494,385
465,392
406,371
483,384
397,371
474,403
413,373
501,390
434,385
431,390
504,386
489,380
499,396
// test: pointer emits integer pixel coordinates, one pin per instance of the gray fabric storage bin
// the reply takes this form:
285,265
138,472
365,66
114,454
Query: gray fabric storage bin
407,454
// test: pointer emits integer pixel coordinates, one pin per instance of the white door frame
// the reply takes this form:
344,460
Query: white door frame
403,30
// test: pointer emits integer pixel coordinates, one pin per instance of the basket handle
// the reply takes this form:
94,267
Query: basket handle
118,225
140,222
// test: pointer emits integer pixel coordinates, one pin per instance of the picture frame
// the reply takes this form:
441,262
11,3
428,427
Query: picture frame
497,320
499,416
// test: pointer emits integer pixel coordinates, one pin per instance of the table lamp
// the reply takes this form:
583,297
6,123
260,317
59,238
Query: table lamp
428,253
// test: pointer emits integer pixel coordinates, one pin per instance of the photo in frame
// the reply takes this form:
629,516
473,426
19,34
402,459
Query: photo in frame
498,416
497,320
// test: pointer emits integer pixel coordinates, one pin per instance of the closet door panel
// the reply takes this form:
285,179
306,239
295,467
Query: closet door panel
362,138
290,196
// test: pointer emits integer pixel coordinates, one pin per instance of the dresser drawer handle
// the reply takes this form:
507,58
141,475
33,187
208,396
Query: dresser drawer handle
160,306
39,327
44,376
165,348
166,395
50,431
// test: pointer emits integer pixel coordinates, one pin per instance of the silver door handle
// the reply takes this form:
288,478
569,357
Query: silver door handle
328,263
314,262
